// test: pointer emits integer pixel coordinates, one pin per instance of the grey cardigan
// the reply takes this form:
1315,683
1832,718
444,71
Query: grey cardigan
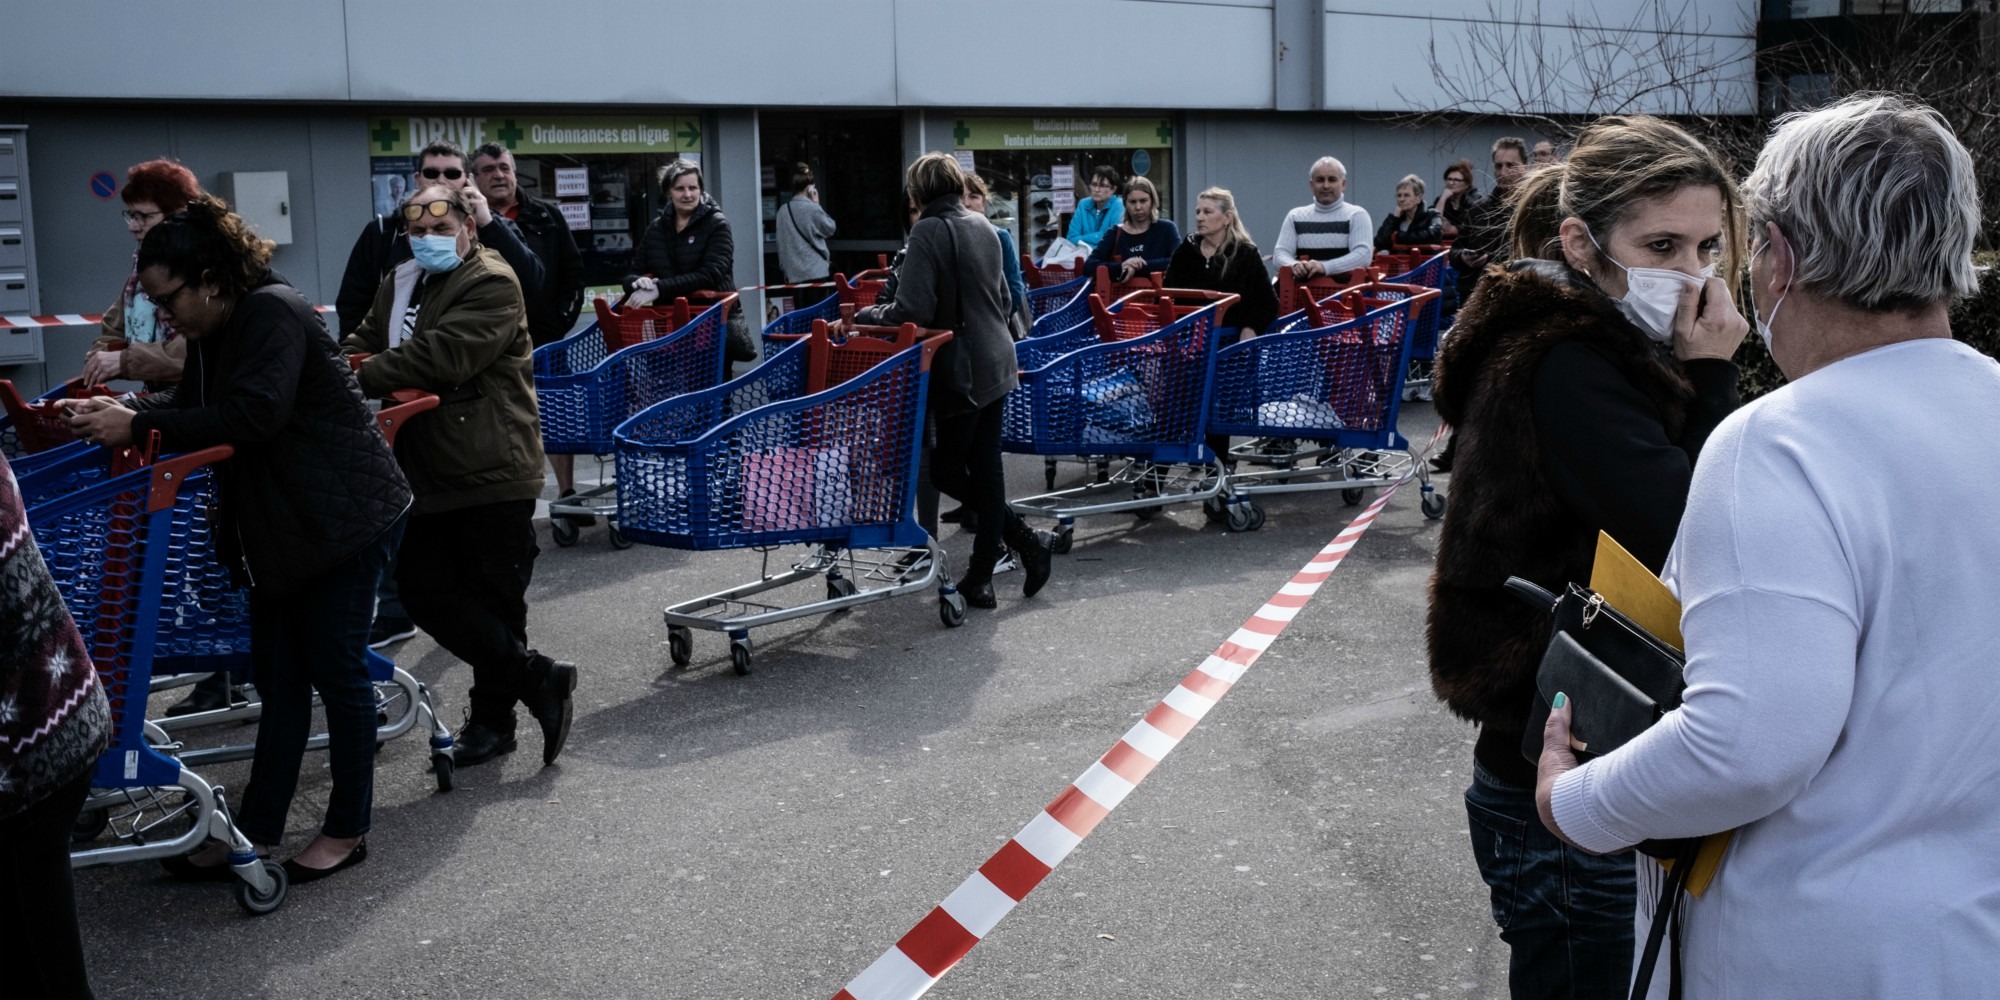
936,288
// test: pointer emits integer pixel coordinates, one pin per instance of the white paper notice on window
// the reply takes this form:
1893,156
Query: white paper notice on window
577,214
965,160
572,182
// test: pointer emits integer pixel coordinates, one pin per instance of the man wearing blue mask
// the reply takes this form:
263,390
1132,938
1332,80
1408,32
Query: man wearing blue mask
451,320
381,247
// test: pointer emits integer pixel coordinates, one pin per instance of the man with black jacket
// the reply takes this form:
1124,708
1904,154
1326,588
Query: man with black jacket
379,249
547,235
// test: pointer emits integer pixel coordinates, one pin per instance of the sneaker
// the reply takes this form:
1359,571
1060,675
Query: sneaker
556,706
1424,392
1007,563
914,561
477,744
209,693
389,630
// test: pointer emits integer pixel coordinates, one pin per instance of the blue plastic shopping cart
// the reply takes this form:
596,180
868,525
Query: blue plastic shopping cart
1330,393
817,446
589,382
1139,391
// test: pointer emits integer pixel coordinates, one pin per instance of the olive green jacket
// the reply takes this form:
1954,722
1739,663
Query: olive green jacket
483,444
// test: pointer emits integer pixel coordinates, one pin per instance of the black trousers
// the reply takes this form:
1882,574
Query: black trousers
965,466
316,639
464,576
41,949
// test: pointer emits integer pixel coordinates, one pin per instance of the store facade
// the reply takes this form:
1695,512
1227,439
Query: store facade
1038,166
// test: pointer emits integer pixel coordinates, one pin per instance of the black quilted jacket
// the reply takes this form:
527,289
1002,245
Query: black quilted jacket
700,258
312,481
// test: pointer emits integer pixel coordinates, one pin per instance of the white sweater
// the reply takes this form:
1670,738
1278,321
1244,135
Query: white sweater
1341,235
1839,566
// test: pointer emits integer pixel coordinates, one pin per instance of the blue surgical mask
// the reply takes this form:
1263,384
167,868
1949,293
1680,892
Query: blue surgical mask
436,254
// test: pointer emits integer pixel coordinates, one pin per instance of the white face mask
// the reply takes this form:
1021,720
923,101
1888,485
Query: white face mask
1764,325
1653,295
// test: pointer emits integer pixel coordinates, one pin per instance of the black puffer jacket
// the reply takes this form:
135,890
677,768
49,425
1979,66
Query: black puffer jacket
546,234
700,258
312,482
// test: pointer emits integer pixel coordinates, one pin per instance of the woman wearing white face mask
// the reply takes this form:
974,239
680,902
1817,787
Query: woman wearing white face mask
1582,383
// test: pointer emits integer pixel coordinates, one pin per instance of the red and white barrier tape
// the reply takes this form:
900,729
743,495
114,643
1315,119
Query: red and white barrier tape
796,284
76,319
922,957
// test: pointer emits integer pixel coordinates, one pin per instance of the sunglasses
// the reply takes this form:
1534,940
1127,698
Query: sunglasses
448,173
436,209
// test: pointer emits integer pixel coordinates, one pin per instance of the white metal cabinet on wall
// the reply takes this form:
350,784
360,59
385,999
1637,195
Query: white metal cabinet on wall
19,345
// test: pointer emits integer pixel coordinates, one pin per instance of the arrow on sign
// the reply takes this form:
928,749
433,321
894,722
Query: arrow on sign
690,134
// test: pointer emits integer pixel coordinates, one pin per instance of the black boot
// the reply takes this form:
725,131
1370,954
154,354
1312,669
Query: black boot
477,744
209,694
977,587
553,704
1036,551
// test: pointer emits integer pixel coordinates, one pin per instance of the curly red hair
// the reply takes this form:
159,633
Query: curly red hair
163,182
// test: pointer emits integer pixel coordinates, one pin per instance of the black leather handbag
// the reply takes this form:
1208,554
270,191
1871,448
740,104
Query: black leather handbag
1621,679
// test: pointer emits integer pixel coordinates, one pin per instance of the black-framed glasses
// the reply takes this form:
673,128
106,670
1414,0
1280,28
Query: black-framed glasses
166,299
132,215
436,209
448,173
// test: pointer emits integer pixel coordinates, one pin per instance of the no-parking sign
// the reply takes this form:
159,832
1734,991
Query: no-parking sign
103,184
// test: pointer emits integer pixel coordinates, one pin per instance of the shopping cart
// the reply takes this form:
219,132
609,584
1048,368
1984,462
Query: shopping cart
1433,271
1059,307
858,292
1038,276
1331,395
32,432
122,543
1139,395
210,632
588,383
817,446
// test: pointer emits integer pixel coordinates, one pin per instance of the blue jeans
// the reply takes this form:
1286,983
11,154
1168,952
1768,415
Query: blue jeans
315,638
1566,916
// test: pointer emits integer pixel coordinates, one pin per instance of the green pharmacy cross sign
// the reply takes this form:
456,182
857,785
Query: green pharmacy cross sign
404,135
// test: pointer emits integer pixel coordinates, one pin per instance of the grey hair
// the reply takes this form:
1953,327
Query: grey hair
681,167
1878,199
1414,183
1323,161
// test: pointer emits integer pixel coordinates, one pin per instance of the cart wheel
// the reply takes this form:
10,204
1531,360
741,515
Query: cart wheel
739,656
1256,516
1433,505
89,825
951,609
1215,510
1351,496
1104,472
1065,539
564,531
1239,517
680,645
443,766
839,587
1049,474
256,903
1147,513
618,539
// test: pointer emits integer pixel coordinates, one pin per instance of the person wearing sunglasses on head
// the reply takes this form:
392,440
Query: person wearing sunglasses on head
382,246
452,321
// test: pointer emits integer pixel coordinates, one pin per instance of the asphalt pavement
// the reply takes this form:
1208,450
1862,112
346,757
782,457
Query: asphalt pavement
713,836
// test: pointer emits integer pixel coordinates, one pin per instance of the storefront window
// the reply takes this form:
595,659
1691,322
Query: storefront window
603,170
1039,168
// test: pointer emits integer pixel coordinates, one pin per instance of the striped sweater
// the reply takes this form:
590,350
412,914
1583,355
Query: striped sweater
1340,235
53,717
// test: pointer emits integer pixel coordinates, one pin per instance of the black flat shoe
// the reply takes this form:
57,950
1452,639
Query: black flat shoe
956,515
209,694
299,873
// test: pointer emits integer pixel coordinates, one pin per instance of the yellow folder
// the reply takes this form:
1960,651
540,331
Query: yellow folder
1626,584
